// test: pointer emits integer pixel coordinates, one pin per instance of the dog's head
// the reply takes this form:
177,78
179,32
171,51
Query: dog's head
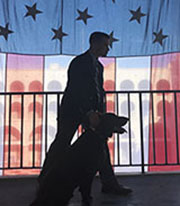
110,123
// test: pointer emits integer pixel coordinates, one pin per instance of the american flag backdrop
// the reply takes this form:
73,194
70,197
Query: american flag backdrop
38,39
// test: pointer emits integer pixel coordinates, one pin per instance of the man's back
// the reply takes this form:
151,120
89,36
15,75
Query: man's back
81,92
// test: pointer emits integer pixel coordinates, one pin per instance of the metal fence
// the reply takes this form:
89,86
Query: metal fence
28,126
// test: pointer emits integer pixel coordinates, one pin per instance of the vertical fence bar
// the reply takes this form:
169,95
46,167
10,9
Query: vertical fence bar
46,123
9,139
130,140
176,126
153,130
58,107
22,127
141,132
165,134
118,137
34,128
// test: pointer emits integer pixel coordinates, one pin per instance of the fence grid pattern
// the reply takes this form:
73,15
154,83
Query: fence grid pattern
151,141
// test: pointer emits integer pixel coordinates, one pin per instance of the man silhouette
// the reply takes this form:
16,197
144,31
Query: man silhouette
83,97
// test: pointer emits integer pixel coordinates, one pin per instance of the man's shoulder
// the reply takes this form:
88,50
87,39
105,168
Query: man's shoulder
83,56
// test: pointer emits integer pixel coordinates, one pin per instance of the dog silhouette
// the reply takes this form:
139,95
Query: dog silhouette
78,164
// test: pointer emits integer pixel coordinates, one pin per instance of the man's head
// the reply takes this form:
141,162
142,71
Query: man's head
99,43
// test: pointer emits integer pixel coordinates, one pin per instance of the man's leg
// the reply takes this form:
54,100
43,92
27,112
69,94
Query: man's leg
108,178
66,131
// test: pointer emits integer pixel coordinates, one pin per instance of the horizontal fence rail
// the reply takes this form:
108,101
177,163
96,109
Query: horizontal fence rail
29,125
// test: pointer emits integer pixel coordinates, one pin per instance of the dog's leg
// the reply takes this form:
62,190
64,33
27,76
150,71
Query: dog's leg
85,187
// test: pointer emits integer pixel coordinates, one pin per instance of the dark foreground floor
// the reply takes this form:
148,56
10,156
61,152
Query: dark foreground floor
149,190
